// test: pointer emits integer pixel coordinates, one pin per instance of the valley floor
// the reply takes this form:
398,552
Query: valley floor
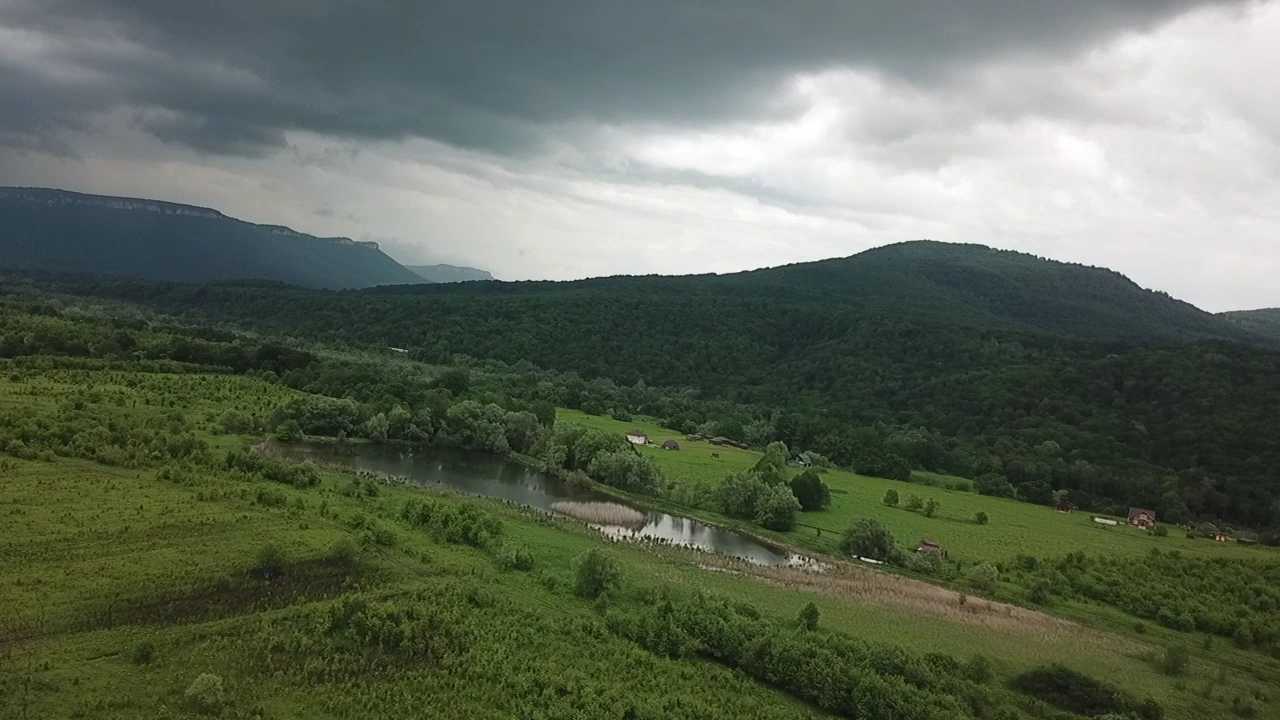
134,591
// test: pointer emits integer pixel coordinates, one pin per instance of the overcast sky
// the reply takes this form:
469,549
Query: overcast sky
563,139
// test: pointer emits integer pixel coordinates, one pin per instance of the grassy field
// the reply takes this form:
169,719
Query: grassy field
1014,527
121,586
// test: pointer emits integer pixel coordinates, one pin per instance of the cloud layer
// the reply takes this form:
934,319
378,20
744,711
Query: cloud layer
563,139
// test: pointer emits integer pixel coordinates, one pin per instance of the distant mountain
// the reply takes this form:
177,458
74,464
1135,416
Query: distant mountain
64,231
450,273
1264,323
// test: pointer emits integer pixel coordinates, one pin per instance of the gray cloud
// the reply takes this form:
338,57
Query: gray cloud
563,140
499,75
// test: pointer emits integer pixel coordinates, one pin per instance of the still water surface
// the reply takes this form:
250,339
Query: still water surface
490,476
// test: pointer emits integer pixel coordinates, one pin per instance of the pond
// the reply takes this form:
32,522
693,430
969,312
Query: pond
496,477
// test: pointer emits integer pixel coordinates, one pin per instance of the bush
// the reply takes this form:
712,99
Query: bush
597,575
626,470
1160,531
289,431
809,489
342,552
738,495
978,669
269,561
981,518
205,694
809,617
1175,661
270,497
914,502
984,577
776,508
868,538
516,558
142,653
931,507
891,497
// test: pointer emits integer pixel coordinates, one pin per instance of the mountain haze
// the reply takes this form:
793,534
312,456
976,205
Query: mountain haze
449,273
64,231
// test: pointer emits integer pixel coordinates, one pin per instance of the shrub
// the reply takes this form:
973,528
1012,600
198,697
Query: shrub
342,552
738,494
379,534
978,669
597,575
1175,661
809,616
626,470
270,497
289,431
269,561
809,489
516,558
981,518
1160,531
205,694
142,653
984,577
931,507
776,508
914,502
891,497
1042,592
868,538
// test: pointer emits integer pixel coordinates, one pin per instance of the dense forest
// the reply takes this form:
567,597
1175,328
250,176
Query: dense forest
1029,376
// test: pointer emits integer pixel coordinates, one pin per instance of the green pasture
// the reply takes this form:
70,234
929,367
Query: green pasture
1014,528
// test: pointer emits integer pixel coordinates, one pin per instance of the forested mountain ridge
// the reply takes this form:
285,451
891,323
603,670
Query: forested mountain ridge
1264,322
65,231
948,283
957,366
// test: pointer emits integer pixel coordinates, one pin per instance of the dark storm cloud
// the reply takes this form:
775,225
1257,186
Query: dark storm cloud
488,74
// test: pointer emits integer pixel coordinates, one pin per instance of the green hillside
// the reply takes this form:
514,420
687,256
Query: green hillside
1032,375
62,231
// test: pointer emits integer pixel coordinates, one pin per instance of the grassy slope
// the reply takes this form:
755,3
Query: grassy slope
80,538
1015,527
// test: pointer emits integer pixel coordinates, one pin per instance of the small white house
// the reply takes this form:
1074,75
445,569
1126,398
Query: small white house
635,437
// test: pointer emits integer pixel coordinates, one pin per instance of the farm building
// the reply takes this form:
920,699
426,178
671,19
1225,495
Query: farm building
635,437
1065,506
929,547
1142,518
670,445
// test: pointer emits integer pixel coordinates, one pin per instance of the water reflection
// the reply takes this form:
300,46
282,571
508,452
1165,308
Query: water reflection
480,474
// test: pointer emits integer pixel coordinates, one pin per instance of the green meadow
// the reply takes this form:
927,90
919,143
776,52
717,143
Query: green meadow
125,586
1014,527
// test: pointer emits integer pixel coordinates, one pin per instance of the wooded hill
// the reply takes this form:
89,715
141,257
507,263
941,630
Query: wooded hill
1265,322
1029,374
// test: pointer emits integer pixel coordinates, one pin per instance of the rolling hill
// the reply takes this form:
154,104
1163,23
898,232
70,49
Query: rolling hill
62,231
